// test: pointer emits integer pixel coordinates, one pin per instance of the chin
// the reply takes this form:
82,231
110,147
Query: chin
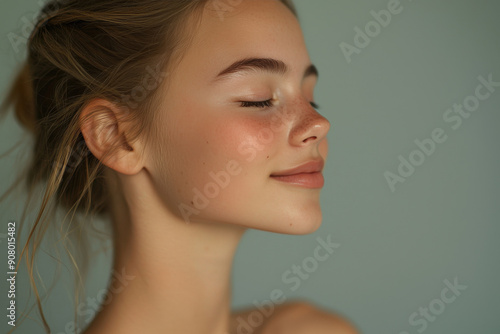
277,214
304,219
307,226
294,222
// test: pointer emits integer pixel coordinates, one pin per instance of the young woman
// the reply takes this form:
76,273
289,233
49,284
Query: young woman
185,122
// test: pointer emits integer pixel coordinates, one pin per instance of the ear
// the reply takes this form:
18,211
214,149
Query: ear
105,136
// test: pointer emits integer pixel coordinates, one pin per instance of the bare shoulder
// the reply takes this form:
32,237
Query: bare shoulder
296,317
304,318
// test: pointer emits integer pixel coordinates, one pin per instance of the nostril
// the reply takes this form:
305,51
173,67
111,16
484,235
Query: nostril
310,138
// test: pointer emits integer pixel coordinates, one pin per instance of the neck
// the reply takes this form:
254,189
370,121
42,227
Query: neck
174,276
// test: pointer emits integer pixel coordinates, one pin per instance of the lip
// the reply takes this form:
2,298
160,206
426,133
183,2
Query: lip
308,175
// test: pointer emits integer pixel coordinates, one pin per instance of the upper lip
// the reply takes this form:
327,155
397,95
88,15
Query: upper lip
313,166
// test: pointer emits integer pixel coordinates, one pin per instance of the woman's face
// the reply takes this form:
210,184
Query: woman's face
218,150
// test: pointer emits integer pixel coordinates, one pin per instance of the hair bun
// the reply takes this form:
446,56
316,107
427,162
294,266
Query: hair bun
21,97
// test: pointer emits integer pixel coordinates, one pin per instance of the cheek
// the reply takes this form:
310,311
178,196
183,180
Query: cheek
233,168
207,159
235,139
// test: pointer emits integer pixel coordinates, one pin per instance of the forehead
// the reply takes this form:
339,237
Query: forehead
249,28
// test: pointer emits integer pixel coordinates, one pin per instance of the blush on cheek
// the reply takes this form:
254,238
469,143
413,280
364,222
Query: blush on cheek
251,140
220,162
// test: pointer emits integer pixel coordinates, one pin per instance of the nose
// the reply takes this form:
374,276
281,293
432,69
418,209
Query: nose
309,128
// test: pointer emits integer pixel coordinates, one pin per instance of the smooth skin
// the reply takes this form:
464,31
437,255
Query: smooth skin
178,250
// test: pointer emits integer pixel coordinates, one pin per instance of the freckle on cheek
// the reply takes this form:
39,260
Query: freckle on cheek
250,133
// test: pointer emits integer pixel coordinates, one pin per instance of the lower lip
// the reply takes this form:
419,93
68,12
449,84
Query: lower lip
307,180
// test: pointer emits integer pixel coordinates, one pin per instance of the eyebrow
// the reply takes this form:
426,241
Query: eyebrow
262,64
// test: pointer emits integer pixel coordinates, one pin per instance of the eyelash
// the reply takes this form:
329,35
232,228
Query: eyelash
266,104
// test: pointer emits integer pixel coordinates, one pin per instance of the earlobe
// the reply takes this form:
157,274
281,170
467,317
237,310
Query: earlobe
105,132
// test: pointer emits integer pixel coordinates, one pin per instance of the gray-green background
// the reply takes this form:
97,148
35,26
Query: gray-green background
397,248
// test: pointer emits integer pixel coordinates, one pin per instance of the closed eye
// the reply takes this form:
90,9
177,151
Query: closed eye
266,104
314,105
258,104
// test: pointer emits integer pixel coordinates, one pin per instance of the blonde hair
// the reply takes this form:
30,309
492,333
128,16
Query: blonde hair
77,52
